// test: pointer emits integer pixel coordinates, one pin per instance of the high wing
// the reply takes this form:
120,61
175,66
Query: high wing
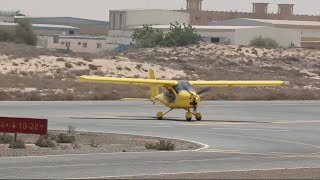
236,83
132,81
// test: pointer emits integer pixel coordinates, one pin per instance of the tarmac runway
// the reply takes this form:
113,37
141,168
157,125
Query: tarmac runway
236,136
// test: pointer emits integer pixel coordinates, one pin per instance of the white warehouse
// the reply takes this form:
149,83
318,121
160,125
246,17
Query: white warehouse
242,35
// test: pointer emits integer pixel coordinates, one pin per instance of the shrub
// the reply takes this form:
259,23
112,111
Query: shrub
68,65
6,138
93,143
60,59
24,33
71,129
264,42
181,36
19,144
119,68
66,138
45,141
93,67
147,37
162,145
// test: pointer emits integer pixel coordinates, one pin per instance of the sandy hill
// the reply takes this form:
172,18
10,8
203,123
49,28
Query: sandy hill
28,73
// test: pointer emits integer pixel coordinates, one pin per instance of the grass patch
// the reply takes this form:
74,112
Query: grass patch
162,145
19,144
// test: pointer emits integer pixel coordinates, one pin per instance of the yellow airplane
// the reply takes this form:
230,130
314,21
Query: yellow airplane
177,94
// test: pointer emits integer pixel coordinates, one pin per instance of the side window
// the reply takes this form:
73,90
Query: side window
85,45
99,45
71,32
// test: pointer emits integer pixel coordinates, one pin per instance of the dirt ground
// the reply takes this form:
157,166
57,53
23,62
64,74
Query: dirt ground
106,143
32,74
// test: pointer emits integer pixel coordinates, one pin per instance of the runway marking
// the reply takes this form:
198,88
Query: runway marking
192,172
103,164
277,154
246,129
120,125
296,122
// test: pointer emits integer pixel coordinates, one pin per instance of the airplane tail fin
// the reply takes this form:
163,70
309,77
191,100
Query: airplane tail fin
154,91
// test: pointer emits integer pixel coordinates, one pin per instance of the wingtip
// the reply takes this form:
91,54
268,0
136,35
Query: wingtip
286,82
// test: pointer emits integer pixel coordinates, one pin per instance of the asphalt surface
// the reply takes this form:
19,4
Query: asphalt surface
236,136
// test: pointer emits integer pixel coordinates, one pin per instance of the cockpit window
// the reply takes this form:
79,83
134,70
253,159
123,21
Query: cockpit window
183,86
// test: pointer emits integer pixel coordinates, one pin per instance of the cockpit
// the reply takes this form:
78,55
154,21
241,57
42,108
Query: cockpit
183,86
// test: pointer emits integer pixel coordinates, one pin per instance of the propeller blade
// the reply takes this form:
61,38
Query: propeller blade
203,91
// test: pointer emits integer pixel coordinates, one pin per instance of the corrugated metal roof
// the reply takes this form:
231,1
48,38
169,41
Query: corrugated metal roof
205,27
65,20
44,26
84,37
286,22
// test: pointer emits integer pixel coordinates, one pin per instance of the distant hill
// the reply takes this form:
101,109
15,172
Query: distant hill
29,73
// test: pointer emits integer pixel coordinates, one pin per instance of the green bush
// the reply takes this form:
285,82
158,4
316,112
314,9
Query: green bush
45,141
19,144
162,145
264,42
66,138
22,33
148,37
181,36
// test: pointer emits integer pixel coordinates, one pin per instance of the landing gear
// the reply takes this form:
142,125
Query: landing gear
159,115
198,116
189,116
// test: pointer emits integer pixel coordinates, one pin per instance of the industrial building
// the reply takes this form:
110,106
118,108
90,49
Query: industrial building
242,35
7,16
309,30
85,26
259,11
47,29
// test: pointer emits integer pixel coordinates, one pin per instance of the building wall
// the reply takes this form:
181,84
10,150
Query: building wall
122,19
87,26
224,36
42,32
285,37
91,30
204,17
155,17
7,19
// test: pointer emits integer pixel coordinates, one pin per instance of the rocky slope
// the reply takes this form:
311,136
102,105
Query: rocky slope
29,73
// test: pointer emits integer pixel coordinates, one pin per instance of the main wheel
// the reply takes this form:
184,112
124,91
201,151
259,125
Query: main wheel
188,116
198,116
159,115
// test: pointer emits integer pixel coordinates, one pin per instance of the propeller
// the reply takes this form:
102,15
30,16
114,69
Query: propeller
203,92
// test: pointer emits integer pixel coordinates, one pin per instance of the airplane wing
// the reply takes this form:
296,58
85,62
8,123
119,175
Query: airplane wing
132,81
236,83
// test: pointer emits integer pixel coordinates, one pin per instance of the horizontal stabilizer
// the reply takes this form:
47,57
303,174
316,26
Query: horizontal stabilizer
135,99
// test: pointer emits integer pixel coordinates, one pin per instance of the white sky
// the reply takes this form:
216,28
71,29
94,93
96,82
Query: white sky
98,9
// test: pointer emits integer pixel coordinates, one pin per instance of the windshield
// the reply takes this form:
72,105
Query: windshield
183,86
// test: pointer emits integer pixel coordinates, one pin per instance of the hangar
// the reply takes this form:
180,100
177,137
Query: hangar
309,30
242,35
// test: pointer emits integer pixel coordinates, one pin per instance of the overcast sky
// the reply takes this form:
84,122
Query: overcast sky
98,9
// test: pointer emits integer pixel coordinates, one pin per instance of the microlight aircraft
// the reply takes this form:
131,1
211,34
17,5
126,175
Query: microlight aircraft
176,94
